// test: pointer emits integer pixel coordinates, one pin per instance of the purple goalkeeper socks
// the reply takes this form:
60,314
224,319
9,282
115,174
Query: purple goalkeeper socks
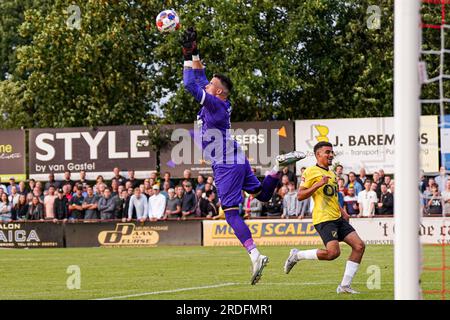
269,184
240,229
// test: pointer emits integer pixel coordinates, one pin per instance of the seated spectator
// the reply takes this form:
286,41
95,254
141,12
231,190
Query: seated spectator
49,202
139,203
386,203
76,204
90,204
120,179
291,205
20,209
367,200
5,208
188,202
106,205
173,208
35,210
252,207
446,198
61,207
156,205
351,203
434,205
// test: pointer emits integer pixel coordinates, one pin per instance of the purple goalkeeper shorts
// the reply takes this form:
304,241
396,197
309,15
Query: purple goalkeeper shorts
231,179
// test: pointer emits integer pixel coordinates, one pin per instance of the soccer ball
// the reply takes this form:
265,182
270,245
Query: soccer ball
167,21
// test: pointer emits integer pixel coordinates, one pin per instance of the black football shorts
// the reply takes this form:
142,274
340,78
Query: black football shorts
334,230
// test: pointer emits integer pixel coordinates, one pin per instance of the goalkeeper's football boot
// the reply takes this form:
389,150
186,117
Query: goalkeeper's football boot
258,267
346,289
283,160
291,261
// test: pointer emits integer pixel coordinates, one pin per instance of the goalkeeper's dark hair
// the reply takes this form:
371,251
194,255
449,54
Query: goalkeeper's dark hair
322,144
226,82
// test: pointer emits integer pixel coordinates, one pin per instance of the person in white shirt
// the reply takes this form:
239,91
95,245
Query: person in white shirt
367,200
138,202
156,205
442,178
14,196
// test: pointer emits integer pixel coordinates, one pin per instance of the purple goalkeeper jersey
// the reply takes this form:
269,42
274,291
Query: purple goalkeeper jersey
213,120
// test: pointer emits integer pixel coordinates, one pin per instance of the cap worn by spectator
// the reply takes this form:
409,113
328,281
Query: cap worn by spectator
60,190
155,187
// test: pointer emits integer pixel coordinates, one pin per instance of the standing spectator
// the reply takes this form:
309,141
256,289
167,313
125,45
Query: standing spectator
139,203
340,174
434,205
290,174
165,190
200,182
187,176
200,207
35,210
12,183
423,182
382,174
51,182
341,186
274,206
31,185
120,201
362,176
446,198
167,179
374,187
106,205
120,179
376,179
3,187
252,206
82,180
21,208
90,204
49,202
304,208
284,182
114,187
367,200
211,209
156,205
134,182
387,181
173,208
351,203
428,193
99,180
100,189
441,179
5,208
189,201
37,192
353,183
386,202
76,204
13,196
124,202
61,206
67,179
22,188
290,202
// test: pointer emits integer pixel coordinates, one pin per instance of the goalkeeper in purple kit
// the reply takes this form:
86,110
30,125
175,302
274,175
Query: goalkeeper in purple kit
232,171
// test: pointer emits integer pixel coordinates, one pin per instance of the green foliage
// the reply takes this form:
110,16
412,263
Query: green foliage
288,59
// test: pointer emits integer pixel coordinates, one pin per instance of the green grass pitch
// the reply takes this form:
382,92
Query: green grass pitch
194,273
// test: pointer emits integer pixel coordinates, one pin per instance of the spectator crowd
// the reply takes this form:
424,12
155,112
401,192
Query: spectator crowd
156,198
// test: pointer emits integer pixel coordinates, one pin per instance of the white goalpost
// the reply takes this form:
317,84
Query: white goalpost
407,117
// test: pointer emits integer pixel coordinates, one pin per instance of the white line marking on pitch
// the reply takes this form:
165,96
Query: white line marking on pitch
170,291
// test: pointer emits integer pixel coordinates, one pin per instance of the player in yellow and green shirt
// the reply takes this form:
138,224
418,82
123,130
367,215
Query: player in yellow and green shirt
330,221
